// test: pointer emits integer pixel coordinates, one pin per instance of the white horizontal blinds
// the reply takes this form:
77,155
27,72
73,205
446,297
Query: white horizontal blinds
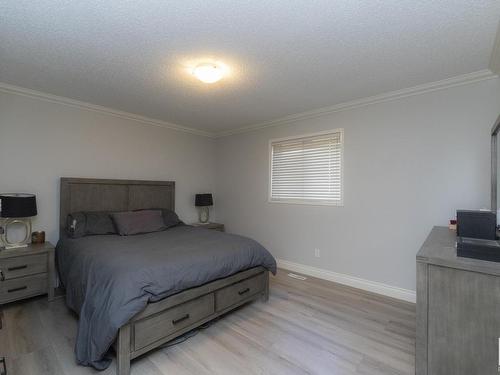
307,169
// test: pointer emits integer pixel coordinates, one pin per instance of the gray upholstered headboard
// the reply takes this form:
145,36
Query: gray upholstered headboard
87,194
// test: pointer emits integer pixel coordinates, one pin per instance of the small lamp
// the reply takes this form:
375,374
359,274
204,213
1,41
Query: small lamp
204,201
16,209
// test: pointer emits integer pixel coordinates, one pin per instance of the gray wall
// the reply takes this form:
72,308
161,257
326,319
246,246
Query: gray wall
409,164
41,141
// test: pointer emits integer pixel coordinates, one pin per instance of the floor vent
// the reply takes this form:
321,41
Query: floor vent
295,276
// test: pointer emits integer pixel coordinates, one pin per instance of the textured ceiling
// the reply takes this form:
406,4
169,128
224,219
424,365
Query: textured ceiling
286,57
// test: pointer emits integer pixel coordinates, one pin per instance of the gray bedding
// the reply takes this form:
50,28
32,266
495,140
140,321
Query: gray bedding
111,278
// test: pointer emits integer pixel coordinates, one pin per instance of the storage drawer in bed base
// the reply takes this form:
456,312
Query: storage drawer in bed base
163,321
240,291
169,322
163,340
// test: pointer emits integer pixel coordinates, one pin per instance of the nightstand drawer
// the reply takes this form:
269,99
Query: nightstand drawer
23,266
11,290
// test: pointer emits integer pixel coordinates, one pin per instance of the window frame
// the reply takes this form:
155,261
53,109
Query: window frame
339,203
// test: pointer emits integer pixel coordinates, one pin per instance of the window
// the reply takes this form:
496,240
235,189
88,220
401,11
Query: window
307,169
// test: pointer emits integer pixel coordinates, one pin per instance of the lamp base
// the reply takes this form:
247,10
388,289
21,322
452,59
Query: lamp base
204,215
8,247
4,239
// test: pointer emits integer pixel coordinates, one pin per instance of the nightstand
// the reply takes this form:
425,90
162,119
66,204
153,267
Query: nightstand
214,226
27,272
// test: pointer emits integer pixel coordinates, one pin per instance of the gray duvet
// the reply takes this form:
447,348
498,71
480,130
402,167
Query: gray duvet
110,278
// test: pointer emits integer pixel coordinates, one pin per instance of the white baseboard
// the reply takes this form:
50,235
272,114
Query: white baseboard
355,282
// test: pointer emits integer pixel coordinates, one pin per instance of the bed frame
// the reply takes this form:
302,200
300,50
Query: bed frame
173,316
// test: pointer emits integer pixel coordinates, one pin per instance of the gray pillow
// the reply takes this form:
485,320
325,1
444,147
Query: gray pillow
137,222
79,224
170,218
75,225
99,223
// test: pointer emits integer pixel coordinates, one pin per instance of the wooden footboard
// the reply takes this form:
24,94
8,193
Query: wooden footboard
165,320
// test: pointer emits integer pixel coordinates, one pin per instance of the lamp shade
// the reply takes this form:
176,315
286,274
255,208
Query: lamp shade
202,200
17,205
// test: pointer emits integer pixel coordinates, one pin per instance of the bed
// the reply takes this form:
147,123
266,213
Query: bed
138,292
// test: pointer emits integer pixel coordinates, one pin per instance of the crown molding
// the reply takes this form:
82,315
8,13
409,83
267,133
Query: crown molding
495,54
16,90
464,79
460,80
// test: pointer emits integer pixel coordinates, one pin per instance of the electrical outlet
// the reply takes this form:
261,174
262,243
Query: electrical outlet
317,253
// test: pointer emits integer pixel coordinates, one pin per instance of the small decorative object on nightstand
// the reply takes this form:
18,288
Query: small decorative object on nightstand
38,237
213,226
27,272
16,209
204,201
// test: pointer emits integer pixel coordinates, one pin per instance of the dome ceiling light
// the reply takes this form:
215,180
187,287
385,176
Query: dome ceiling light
208,72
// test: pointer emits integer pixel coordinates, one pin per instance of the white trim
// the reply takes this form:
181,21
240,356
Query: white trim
463,79
495,58
460,80
339,203
352,281
292,137
11,89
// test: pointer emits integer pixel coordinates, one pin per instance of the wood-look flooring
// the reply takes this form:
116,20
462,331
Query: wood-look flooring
307,327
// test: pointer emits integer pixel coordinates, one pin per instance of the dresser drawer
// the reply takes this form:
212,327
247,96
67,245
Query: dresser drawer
172,320
23,266
238,292
11,290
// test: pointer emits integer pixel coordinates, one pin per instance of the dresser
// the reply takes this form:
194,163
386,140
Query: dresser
27,272
458,310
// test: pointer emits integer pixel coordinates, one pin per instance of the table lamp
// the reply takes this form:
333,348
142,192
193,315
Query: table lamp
204,201
16,209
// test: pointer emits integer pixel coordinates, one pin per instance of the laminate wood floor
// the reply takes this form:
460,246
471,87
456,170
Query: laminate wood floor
307,327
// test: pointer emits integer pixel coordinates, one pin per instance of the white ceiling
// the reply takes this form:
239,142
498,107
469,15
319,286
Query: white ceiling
285,56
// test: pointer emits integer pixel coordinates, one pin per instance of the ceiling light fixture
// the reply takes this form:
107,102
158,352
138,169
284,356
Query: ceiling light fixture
208,72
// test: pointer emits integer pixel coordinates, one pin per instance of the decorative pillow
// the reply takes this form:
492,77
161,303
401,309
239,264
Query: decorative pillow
137,222
75,225
170,218
81,224
99,223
